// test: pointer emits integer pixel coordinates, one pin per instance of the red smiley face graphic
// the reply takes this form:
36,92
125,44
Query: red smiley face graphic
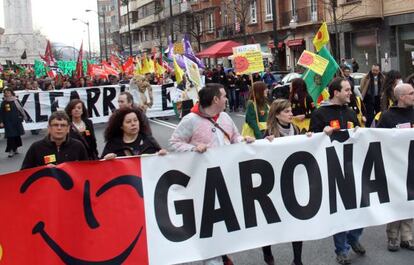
78,213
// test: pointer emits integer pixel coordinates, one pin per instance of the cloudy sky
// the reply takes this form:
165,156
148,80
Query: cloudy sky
54,20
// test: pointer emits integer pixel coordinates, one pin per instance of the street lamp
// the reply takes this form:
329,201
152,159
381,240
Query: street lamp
89,35
275,37
293,25
104,28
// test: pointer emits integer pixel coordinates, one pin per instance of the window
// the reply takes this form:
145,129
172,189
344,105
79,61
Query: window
210,22
269,9
253,12
314,11
293,8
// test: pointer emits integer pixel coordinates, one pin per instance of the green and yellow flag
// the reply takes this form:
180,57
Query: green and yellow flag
322,37
317,83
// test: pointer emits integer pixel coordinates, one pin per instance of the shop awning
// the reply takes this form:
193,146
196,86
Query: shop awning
295,42
271,44
220,49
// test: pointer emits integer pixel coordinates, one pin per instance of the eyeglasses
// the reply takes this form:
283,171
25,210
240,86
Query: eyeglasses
57,125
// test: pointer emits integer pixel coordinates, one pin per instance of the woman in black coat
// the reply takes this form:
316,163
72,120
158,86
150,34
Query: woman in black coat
125,135
81,128
11,118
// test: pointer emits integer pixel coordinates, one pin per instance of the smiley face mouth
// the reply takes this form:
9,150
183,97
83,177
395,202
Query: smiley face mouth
68,259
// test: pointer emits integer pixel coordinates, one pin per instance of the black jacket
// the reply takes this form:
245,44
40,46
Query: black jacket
87,138
11,118
46,152
332,115
395,116
144,144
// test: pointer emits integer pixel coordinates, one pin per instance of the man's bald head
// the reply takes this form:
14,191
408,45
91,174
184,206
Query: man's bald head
404,93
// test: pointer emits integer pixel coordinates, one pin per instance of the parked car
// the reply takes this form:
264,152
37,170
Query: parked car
281,90
357,82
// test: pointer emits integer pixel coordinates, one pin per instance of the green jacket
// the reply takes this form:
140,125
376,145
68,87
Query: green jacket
251,118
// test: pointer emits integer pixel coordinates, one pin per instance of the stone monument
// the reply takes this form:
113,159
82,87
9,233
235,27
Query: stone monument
19,35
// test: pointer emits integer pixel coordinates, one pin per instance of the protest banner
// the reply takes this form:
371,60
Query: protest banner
246,196
248,59
99,101
238,197
313,62
75,213
193,72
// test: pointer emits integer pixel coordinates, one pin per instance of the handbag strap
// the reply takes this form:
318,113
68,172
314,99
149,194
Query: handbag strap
218,127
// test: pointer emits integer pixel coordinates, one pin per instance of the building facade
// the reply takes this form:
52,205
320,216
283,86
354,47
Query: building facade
109,37
377,31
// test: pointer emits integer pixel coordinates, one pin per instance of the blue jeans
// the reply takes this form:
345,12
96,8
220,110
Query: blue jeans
344,240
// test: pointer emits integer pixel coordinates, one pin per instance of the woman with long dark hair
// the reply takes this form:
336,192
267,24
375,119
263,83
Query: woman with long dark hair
125,135
302,104
280,124
11,118
256,111
392,78
81,127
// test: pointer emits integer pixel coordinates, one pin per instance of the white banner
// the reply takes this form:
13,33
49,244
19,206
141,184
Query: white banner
100,101
245,196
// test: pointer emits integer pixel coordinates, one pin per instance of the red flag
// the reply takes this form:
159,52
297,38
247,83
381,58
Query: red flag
43,217
128,66
79,63
115,62
48,57
109,70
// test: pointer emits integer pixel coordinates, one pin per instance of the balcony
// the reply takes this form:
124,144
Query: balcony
358,10
304,16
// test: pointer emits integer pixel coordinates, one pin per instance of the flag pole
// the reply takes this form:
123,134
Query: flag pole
254,100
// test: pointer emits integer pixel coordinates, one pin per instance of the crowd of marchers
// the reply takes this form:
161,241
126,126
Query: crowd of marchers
383,101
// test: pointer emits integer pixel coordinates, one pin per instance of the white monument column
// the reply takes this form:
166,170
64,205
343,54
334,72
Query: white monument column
19,35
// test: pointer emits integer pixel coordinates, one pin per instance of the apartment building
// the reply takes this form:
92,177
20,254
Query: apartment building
151,22
377,31
109,38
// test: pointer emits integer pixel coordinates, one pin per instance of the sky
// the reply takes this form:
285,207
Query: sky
53,18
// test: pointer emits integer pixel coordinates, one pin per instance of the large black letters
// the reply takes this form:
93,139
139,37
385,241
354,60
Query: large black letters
109,94
345,180
93,97
215,184
410,173
54,104
38,109
373,160
183,207
260,193
315,185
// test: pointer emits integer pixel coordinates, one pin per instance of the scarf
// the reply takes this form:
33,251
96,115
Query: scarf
286,131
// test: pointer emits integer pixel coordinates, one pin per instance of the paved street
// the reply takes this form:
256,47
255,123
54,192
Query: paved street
319,252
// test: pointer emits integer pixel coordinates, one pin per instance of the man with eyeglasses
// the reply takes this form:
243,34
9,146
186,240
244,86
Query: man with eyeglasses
57,147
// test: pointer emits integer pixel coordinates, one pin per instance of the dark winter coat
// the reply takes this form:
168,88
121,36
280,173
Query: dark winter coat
144,144
45,152
338,116
87,138
11,118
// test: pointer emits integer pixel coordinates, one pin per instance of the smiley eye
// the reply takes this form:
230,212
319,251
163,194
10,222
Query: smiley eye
61,176
133,181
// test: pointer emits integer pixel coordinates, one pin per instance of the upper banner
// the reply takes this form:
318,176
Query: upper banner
226,200
99,101
240,197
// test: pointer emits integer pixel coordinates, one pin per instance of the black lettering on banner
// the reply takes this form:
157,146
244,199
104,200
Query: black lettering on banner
74,95
315,185
215,184
373,160
166,97
92,97
183,207
54,104
23,102
108,95
410,173
260,193
122,88
38,109
345,179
